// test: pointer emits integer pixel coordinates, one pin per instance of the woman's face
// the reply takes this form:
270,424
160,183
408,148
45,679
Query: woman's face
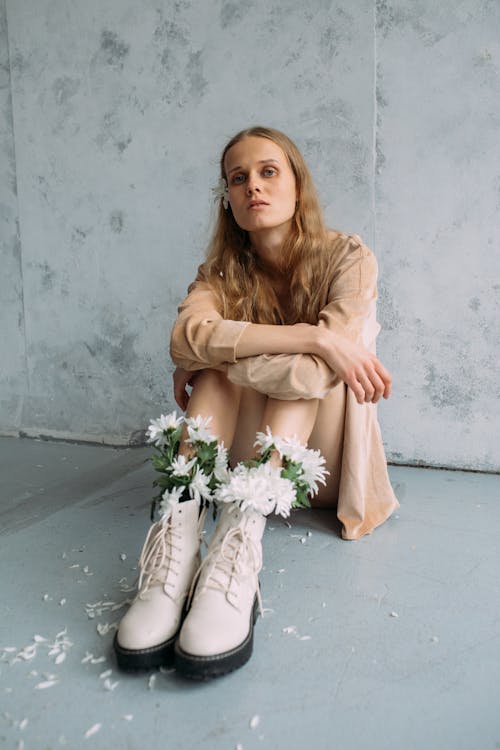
262,190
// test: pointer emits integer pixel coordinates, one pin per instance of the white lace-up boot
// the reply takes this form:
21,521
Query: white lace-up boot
168,563
217,634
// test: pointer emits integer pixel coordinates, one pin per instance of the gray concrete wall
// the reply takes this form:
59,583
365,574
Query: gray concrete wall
437,199
13,370
116,113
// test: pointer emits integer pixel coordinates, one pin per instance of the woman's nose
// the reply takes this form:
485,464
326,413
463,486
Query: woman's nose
252,183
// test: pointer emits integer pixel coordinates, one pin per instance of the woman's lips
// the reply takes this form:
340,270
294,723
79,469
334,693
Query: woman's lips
255,205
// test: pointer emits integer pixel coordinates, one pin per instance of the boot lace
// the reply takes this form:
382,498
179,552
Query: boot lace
237,555
159,559
160,556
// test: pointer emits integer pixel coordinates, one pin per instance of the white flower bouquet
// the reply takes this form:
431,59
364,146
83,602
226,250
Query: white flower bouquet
185,478
265,488
205,475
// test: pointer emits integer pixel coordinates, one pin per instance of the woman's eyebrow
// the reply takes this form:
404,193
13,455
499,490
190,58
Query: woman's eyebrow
261,161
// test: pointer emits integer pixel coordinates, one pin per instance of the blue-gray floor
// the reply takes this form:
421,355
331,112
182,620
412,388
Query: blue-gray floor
392,641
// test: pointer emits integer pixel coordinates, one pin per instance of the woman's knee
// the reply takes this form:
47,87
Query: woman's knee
214,395
214,380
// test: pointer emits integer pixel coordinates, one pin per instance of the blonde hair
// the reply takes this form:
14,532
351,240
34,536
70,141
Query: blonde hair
234,270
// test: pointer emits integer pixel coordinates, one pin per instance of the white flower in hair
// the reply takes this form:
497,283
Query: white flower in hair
221,192
157,428
170,499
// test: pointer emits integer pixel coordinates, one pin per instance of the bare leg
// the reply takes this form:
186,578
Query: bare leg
213,395
290,418
328,437
252,407
244,411
284,418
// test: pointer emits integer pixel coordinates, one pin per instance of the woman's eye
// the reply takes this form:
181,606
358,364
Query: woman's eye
269,171
238,179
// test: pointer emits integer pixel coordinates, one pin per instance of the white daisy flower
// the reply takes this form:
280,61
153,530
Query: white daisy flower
221,469
197,430
248,488
264,479
198,487
280,491
265,440
158,427
313,470
290,448
181,466
170,499
221,192
232,491
198,422
284,495
310,461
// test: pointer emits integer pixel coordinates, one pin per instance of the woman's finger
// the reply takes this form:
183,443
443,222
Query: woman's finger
181,396
356,387
366,384
386,377
378,385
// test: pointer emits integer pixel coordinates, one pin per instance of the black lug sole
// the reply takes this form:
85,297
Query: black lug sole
205,667
130,660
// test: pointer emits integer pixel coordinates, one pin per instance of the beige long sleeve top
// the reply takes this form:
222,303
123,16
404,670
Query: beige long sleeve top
201,338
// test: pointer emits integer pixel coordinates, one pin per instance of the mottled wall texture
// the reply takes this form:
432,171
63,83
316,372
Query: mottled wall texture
112,118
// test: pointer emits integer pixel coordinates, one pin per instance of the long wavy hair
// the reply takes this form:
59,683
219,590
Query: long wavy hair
234,270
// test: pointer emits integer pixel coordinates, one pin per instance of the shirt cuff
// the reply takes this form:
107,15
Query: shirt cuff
224,340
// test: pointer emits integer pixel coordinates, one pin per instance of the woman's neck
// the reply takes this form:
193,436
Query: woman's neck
268,245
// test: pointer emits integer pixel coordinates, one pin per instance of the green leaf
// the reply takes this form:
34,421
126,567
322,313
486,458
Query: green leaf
205,452
264,457
164,482
292,472
301,500
161,463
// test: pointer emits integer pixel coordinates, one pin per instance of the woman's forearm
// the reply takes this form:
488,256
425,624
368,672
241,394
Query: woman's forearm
275,339
353,363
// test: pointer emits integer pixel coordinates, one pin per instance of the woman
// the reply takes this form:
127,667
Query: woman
276,335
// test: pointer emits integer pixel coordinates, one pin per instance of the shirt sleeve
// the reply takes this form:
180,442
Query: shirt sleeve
201,338
350,311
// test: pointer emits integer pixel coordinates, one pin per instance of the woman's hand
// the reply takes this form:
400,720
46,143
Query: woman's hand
358,367
182,378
